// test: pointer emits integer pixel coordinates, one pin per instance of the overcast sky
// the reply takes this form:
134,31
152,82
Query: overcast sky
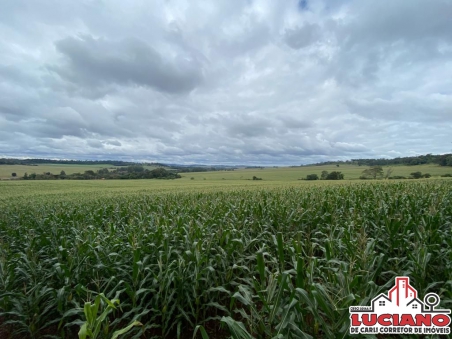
225,82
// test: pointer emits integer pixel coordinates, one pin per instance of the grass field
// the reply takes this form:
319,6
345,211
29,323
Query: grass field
241,258
294,173
92,189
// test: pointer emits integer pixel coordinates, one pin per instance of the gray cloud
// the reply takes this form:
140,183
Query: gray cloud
97,62
302,36
113,143
257,82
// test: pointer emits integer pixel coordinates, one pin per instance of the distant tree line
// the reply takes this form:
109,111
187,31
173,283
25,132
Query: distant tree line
129,172
116,163
441,160
373,172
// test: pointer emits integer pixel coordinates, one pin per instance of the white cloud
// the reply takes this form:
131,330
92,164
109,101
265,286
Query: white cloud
192,81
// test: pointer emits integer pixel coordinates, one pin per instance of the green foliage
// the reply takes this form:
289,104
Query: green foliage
94,323
416,175
103,171
259,263
236,328
312,177
442,160
256,178
335,176
129,172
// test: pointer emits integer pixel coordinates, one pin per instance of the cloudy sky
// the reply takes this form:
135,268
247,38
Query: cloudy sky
225,82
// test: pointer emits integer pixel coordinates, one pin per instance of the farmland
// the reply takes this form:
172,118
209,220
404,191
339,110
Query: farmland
283,258
351,172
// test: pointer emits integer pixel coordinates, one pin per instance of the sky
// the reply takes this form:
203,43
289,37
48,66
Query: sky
225,82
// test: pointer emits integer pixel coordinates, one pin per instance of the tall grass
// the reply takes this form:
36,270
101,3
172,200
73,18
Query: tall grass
282,263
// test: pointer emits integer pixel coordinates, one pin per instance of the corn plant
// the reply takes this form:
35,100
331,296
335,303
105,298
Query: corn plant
95,323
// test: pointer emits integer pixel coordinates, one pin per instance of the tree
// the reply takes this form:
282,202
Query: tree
26,176
160,173
324,175
14,174
372,173
312,177
335,176
427,175
388,172
416,175
103,171
135,168
449,161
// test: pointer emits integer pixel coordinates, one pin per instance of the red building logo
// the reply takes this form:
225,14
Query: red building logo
400,312
402,291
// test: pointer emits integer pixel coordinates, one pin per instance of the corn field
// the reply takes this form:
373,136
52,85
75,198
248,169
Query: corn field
258,263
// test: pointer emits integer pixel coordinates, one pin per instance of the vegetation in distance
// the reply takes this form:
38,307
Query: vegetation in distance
431,164
335,175
373,172
283,262
129,172
439,159
286,174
